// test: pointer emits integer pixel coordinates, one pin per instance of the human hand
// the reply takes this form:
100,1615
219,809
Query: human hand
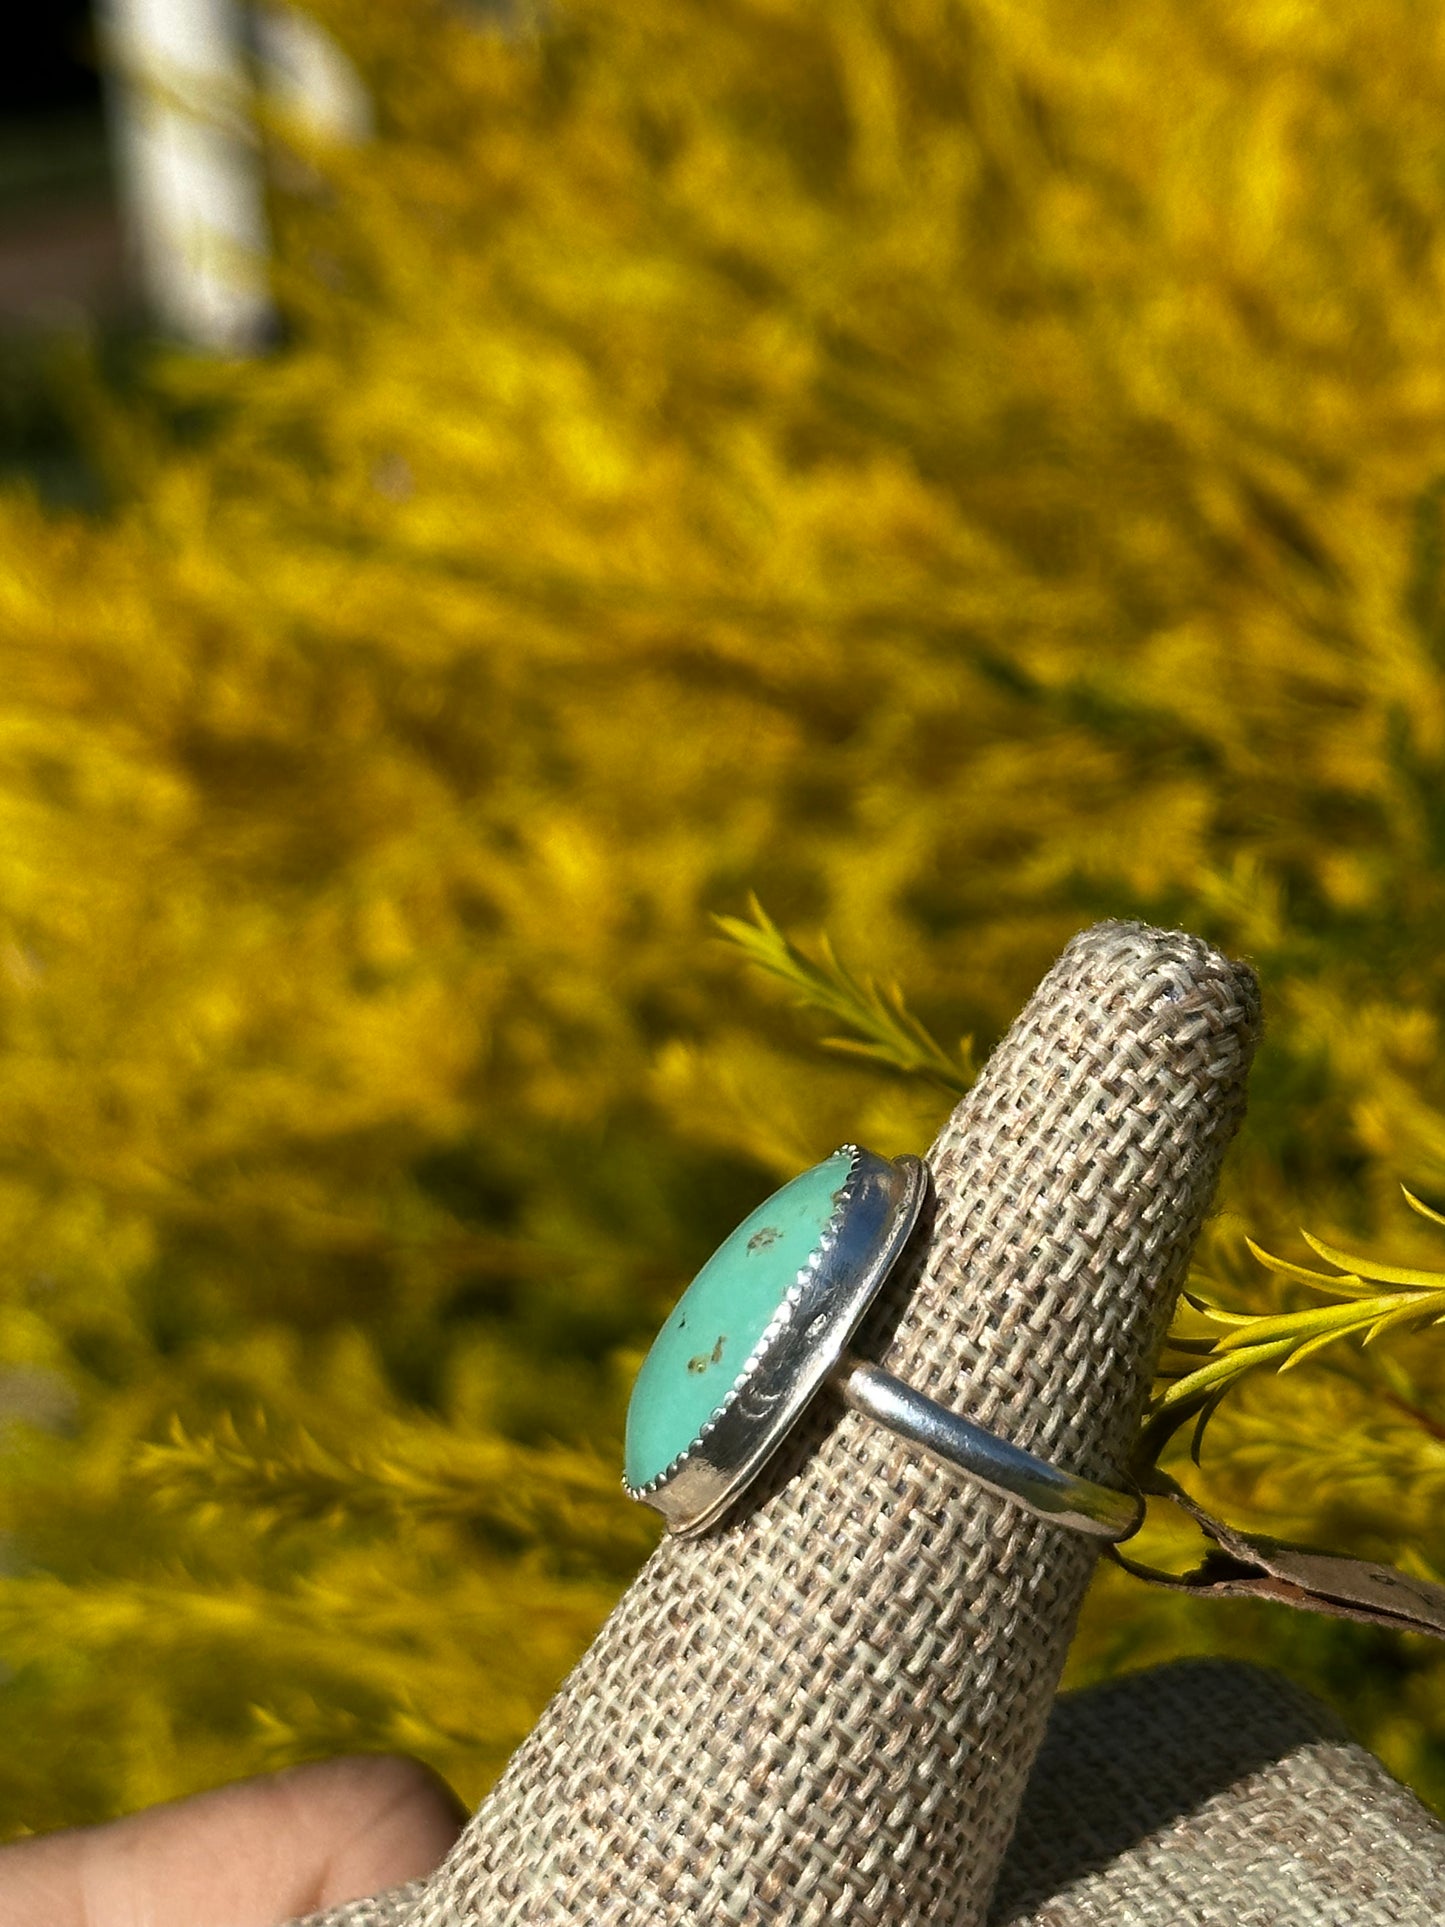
249,1855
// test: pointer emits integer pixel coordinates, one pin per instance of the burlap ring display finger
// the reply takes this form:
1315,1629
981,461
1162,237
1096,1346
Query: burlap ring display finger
825,1708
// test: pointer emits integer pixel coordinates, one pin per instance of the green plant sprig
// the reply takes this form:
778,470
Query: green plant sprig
885,1029
488,1485
1284,1340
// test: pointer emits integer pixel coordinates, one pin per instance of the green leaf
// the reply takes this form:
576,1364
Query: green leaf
1347,1285
1207,1411
1328,1320
1311,1346
1413,1313
1425,1212
1223,1368
1367,1267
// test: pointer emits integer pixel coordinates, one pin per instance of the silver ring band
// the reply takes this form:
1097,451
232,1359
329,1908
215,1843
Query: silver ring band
1061,1498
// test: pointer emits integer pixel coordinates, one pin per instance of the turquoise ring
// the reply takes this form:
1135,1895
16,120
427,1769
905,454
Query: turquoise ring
766,1324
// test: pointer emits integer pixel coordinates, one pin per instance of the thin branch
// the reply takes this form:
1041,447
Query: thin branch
884,1028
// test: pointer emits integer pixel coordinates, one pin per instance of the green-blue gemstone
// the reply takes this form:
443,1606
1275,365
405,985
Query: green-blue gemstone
696,1357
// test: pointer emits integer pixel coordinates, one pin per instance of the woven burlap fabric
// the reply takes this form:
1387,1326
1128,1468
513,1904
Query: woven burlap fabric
1210,1794
1203,1794
826,1709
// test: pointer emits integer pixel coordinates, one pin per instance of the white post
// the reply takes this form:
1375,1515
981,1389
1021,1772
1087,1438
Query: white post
189,168
189,163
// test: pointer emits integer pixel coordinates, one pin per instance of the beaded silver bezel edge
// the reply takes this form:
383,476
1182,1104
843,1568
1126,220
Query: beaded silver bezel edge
780,1322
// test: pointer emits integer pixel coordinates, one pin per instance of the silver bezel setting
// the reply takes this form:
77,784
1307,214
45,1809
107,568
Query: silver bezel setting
877,1208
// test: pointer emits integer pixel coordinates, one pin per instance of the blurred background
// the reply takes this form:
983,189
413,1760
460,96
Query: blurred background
60,240
483,492
133,186
61,236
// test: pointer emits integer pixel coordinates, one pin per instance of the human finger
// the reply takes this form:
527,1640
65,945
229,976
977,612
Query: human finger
247,1855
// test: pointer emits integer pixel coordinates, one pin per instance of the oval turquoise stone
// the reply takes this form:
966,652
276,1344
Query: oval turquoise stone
696,1357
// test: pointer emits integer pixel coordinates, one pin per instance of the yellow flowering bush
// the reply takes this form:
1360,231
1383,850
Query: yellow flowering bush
957,469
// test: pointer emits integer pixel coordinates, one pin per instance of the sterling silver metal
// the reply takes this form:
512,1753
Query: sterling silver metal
805,1347
1040,1488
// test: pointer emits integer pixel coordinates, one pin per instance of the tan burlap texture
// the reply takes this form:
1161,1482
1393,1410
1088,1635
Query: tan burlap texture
826,1709
1203,1794
1210,1794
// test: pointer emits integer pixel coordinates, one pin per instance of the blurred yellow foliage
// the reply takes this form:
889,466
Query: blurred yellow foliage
959,469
